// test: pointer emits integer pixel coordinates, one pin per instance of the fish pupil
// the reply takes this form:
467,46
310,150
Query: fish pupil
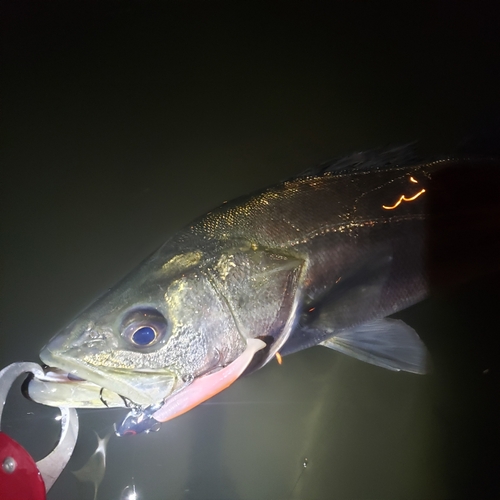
144,336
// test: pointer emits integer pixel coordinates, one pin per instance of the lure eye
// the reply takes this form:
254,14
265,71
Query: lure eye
144,327
145,335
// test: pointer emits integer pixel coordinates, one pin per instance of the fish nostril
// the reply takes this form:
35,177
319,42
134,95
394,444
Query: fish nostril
93,335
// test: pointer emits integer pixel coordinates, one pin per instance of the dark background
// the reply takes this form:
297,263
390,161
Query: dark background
121,121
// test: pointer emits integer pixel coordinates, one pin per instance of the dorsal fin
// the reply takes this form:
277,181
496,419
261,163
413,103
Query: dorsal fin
360,161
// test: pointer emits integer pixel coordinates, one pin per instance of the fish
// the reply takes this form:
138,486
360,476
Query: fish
323,258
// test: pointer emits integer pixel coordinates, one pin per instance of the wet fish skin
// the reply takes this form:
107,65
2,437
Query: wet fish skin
320,258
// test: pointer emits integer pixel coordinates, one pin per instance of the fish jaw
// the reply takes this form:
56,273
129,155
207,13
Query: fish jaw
96,388
57,388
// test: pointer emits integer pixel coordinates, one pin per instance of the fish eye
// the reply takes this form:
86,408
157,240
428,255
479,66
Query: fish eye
145,335
144,327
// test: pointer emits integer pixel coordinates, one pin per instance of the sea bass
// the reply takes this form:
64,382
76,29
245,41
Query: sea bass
322,258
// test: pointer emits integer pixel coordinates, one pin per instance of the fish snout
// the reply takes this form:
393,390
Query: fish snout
89,340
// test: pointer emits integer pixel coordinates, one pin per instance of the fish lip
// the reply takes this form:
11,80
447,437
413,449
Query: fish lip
94,376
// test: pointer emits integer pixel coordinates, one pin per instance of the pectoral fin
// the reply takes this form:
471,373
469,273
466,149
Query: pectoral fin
389,343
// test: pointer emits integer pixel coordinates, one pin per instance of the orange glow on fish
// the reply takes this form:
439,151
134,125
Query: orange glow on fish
414,197
278,358
404,198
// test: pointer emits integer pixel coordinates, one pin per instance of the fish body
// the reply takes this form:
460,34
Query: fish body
322,258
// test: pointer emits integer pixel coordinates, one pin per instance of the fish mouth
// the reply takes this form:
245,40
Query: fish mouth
71,383
59,388
67,385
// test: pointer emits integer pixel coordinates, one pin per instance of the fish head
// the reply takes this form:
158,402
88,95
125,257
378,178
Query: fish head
179,317
159,329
